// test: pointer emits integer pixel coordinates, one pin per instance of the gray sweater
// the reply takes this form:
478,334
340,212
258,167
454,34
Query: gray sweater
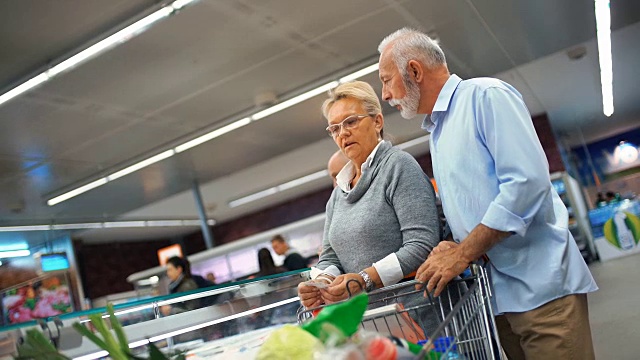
391,209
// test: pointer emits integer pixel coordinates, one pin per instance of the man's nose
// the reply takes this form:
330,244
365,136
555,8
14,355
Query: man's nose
386,95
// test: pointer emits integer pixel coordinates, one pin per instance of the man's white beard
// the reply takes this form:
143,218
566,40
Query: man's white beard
410,102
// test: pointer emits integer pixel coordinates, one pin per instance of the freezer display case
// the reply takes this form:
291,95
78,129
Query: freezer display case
573,197
254,320
180,321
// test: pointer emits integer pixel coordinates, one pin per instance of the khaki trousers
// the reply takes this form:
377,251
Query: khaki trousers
556,330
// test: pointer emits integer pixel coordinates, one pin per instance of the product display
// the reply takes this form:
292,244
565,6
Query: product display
39,299
616,228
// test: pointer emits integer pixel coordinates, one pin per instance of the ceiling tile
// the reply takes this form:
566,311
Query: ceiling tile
54,28
35,129
125,144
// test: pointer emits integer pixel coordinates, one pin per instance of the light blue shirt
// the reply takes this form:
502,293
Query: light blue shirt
491,169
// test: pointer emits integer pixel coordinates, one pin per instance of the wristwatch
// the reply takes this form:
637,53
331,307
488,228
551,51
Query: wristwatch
368,283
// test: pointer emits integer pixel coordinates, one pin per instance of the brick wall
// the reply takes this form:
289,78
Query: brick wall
104,267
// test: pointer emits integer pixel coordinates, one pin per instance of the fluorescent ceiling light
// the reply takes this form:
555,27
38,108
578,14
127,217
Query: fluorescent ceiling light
308,178
295,100
216,133
303,180
77,226
124,224
360,73
162,223
106,179
14,253
276,189
212,135
77,191
9,246
111,41
25,228
142,164
179,4
105,225
101,46
25,86
253,197
603,29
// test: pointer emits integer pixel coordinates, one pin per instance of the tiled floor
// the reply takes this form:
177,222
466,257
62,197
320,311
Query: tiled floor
615,309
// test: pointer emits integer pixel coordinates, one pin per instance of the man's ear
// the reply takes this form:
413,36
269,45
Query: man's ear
415,70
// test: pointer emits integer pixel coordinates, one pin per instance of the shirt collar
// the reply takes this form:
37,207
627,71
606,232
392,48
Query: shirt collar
442,103
344,177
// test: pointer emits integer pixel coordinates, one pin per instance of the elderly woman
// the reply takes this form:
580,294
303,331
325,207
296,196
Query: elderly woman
382,220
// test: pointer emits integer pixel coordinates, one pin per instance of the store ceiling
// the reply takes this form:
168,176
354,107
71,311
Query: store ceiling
208,63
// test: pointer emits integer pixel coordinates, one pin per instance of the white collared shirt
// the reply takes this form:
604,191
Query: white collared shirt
348,172
388,268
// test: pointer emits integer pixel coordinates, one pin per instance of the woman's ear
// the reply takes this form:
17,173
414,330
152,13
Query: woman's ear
379,123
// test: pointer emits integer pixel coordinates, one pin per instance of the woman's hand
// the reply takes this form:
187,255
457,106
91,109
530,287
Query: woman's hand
337,290
310,296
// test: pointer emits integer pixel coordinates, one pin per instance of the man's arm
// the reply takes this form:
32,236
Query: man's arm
450,260
481,239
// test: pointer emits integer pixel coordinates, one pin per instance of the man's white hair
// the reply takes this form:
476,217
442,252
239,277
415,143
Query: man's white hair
410,44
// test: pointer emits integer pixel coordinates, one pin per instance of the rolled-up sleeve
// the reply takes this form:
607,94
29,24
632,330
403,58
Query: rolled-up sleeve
505,126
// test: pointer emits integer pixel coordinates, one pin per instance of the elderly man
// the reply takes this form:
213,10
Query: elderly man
337,161
496,193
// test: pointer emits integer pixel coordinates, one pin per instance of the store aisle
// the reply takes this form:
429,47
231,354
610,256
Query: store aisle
615,309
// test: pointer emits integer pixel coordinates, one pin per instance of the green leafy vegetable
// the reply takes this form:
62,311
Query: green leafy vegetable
30,303
37,347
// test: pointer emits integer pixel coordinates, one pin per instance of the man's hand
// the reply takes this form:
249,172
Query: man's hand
441,267
337,290
310,296
443,245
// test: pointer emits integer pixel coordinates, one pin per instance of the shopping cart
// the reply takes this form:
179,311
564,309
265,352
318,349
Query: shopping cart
466,326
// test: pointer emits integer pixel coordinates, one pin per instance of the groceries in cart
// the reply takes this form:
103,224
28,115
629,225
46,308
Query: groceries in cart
390,322
336,333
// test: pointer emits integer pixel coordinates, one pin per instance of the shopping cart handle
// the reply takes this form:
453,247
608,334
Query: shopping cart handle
349,289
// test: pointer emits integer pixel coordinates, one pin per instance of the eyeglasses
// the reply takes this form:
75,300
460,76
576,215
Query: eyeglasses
349,123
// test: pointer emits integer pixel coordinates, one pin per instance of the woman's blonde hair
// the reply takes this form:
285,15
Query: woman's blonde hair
358,90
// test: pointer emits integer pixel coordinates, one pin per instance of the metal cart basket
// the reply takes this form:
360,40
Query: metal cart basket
466,327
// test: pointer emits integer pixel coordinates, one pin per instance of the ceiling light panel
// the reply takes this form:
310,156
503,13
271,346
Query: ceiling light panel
603,29
216,133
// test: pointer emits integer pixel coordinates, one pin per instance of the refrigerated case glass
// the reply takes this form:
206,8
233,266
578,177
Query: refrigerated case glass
219,312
